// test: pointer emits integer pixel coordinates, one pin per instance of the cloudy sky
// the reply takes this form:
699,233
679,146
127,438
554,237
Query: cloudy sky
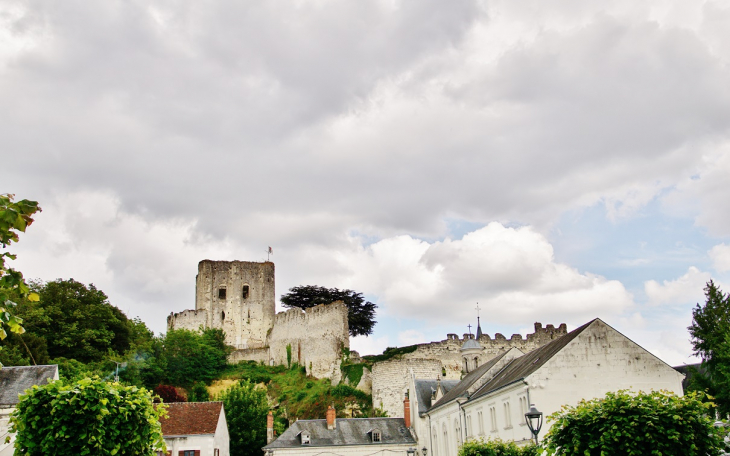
552,161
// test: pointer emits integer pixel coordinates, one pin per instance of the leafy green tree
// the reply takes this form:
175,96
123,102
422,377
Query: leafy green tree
24,350
199,393
246,407
76,321
361,313
710,332
624,423
496,448
15,217
191,357
89,417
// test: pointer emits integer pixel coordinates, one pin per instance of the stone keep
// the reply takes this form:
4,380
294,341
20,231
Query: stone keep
235,296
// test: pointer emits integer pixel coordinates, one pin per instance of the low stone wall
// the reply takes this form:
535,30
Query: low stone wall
250,354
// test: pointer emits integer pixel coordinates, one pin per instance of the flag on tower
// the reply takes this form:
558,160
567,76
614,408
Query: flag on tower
271,252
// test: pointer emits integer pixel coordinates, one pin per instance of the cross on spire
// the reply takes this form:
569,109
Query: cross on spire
478,309
469,326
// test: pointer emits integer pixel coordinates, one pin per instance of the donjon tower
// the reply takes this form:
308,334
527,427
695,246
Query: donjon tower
235,296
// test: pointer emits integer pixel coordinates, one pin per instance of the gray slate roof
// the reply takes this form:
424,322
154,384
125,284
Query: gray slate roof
525,365
469,380
470,343
425,388
348,431
15,380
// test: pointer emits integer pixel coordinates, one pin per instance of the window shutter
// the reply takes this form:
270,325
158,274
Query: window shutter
180,453
197,452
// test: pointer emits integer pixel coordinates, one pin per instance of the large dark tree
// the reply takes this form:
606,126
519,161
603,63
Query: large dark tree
710,331
76,321
361,313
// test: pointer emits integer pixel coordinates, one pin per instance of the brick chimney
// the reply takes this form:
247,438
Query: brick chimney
331,418
407,411
269,427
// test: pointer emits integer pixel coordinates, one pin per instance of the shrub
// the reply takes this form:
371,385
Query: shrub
88,417
496,448
199,393
169,394
626,423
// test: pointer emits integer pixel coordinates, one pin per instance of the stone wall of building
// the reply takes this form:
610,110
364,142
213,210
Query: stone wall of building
390,381
316,337
390,377
235,296
260,355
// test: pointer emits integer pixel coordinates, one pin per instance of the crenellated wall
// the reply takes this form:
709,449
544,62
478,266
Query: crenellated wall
316,337
390,380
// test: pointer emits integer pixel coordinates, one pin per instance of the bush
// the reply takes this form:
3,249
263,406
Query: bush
168,393
199,393
90,416
626,423
496,448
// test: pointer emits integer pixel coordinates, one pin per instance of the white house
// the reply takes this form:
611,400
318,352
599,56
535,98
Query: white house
344,437
14,381
492,399
196,429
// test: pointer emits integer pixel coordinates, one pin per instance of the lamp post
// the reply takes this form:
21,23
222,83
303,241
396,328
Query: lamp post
411,451
424,451
534,421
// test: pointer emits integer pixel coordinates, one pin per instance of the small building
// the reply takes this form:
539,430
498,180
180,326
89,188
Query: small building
344,436
14,381
196,429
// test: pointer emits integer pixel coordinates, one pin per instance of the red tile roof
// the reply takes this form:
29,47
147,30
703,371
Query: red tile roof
186,418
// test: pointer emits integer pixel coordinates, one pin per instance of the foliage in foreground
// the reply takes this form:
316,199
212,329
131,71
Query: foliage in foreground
246,407
89,417
634,424
496,448
709,331
15,217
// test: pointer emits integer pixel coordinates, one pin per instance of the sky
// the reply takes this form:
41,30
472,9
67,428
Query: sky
553,162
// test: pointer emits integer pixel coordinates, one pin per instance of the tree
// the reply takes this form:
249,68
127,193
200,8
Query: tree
77,321
191,357
360,315
496,448
710,332
88,417
14,219
635,424
246,407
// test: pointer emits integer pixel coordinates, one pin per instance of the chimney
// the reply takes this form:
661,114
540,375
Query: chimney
269,427
331,418
407,411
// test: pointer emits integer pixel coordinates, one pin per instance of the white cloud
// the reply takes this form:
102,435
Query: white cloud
720,255
369,345
685,289
411,337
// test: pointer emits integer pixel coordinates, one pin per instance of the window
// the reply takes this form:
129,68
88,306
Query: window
457,433
434,433
476,362
190,453
469,428
244,293
223,316
480,418
493,419
507,415
216,452
446,439
221,293
375,435
523,407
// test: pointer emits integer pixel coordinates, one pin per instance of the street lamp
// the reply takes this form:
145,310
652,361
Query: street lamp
424,451
534,421
411,451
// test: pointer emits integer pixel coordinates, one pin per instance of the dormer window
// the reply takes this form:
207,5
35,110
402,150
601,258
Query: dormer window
375,435
304,438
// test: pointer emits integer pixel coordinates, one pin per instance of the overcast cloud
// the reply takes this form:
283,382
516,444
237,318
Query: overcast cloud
424,153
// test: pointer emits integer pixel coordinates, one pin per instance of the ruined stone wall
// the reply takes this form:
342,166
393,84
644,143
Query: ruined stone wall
390,381
187,319
235,296
260,355
316,337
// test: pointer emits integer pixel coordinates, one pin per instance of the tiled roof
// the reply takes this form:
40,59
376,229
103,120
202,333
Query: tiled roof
188,418
15,380
523,366
348,431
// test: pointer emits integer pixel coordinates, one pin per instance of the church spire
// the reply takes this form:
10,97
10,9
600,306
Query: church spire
479,327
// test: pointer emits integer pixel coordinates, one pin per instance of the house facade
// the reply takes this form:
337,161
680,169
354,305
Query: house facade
491,400
196,429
